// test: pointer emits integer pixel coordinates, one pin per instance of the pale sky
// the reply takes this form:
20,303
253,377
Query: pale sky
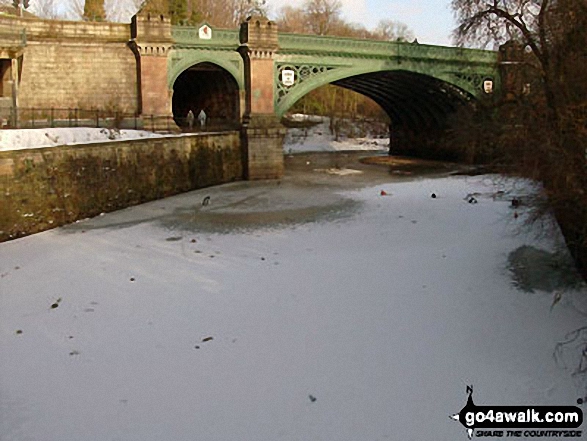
431,20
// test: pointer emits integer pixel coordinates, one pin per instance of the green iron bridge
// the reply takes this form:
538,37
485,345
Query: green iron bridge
417,85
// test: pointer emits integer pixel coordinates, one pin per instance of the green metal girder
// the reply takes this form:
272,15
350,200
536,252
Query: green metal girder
182,59
189,50
320,60
465,76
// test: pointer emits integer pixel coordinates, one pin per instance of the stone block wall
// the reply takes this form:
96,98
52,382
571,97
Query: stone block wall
71,64
47,187
263,144
73,75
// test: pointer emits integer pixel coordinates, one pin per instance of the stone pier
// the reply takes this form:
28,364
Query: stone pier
262,133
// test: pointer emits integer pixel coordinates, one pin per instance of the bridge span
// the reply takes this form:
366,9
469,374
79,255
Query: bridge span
243,78
259,72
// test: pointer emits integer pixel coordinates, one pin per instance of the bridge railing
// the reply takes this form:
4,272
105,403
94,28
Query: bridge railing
322,44
189,36
42,118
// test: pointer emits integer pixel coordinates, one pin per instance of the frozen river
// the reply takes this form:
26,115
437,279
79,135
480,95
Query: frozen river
341,303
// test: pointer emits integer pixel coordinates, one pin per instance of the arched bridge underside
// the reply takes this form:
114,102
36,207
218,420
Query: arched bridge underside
414,101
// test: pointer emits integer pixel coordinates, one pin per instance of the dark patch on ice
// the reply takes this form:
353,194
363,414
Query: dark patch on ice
535,269
228,221
174,239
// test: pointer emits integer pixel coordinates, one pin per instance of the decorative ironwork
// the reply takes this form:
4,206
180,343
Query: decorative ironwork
302,72
474,79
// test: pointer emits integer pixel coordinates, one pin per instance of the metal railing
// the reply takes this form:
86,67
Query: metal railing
34,118
37,118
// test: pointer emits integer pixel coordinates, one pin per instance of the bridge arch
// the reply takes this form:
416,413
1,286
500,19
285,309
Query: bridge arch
418,100
206,86
183,60
462,84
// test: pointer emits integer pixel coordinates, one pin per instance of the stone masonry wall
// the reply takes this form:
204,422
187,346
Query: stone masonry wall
47,187
76,64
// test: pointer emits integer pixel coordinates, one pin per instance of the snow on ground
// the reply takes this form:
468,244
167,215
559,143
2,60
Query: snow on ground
32,138
362,321
319,138
298,140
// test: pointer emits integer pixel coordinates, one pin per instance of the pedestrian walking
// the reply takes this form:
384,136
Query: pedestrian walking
202,118
190,119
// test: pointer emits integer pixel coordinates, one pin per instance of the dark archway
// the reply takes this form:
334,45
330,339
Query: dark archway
420,106
207,87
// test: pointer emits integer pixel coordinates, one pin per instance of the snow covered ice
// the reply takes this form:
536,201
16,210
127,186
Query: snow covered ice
279,311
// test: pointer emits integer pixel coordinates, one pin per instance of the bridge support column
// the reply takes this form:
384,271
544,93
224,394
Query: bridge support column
151,42
262,133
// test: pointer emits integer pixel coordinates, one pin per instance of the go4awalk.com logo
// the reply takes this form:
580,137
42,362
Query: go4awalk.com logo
519,421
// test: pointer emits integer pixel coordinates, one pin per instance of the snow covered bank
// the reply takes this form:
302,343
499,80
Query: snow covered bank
32,138
364,322
316,136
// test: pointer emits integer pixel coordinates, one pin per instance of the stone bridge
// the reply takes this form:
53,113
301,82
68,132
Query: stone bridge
409,81
246,78
255,74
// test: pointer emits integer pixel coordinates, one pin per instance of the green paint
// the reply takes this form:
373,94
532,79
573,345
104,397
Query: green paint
319,60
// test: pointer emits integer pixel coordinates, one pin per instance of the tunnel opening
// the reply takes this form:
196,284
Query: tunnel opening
207,87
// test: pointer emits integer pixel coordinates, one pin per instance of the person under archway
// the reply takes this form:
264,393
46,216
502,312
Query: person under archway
190,118
202,118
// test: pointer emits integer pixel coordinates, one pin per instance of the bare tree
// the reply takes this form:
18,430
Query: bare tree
45,9
391,30
76,9
529,21
551,145
291,19
245,8
322,14
122,11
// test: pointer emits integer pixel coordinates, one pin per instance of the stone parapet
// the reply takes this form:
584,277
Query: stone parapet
47,187
58,30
